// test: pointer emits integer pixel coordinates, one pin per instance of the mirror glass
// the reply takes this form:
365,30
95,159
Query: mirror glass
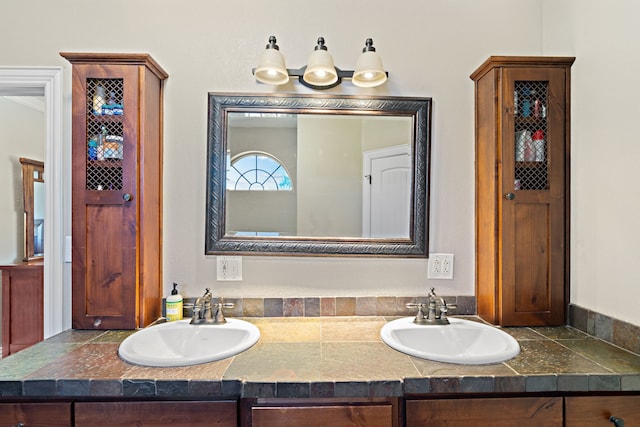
314,175
34,206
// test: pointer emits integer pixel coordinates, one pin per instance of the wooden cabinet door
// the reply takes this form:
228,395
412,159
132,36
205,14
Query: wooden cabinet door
597,410
323,416
494,412
532,180
22,286
104,218
156,414
35,414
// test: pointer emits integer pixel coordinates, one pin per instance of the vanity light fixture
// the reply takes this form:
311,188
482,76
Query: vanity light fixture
320,72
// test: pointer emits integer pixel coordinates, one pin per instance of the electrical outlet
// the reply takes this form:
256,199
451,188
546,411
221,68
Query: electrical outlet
229,268
440,266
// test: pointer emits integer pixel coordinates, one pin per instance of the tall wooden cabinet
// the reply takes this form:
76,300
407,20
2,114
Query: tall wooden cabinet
117,190
522,182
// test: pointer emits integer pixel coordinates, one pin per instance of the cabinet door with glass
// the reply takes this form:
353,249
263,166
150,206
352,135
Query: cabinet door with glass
117,189
522,142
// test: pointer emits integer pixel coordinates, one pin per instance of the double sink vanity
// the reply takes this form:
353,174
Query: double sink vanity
333,370
208,336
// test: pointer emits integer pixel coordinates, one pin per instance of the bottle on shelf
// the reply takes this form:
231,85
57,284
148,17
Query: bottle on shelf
525,100
529,150
101,137
526,108
525,150
99,100
93,149
538,145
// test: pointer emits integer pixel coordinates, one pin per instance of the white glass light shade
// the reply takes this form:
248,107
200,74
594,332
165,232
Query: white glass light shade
271,68
320,70
369,71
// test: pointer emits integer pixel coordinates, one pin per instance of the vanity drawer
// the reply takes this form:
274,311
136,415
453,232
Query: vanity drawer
156,414
36,414
494,412
596,410
320,416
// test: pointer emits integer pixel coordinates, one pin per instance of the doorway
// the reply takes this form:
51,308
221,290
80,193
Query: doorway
386,206
47,81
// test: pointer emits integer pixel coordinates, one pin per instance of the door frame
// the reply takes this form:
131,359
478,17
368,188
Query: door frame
28,80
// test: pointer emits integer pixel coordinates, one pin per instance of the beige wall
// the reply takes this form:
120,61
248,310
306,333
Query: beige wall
605,157
329,176
273,211
429,48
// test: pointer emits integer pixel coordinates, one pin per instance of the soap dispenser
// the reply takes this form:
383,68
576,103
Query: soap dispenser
174,305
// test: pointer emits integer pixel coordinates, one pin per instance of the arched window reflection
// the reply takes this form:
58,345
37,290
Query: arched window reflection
257,171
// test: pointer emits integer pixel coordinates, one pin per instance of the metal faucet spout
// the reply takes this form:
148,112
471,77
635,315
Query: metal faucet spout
437,310
203,310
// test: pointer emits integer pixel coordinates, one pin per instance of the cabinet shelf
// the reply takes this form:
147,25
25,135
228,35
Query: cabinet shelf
530,120
107,163
105,118
531,165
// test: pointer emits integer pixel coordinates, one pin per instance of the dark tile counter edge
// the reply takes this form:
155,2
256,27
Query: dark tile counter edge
214,389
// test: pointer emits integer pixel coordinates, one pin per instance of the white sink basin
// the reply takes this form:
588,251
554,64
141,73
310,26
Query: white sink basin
181,344
462,341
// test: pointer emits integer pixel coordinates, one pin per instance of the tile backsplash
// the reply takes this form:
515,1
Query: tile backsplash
606,328
334,306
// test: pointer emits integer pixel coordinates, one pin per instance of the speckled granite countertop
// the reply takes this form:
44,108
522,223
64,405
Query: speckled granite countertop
317,357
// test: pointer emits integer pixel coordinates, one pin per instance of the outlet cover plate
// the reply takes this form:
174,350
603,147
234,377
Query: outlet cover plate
440,266
229,268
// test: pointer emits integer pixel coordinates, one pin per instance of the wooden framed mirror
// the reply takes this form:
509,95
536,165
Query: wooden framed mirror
291,174
33,197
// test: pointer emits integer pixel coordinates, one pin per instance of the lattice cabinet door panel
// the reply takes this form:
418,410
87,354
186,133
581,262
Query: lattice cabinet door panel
117,189
522,170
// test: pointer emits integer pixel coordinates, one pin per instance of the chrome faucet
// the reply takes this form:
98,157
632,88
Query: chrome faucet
203,310
437,309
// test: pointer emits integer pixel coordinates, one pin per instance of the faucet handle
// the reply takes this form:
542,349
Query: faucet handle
420,318
223,304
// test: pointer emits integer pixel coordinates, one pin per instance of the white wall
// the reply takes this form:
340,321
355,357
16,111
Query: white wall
429,48
605,194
